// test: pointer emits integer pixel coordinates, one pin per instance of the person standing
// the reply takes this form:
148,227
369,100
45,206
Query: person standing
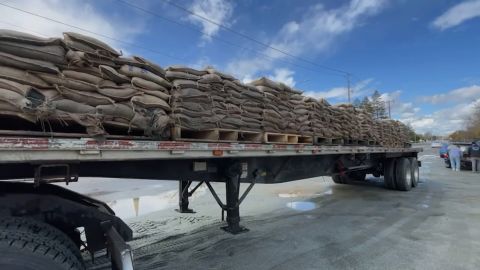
474,153
454,153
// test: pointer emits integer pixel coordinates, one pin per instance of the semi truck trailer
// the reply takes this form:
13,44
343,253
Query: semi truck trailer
46,226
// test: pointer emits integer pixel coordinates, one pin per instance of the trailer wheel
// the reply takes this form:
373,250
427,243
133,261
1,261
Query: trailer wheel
389,173
403,174
415,171
339,179
33,245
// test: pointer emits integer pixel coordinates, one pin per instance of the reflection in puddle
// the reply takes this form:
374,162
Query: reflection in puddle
302,206
142,205
328,192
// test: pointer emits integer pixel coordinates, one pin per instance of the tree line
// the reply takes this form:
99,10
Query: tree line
472,128
374,105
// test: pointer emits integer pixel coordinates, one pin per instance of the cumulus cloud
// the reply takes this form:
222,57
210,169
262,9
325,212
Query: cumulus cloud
457,95
311,34
360,89
444,121
283,75
458,14
219,11
75,12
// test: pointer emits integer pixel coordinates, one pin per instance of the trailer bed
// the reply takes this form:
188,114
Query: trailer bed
37,149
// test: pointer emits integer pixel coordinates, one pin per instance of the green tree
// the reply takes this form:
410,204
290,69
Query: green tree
366,104
379,111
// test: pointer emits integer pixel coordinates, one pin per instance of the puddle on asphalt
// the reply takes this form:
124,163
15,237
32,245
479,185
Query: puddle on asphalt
143,205
302,206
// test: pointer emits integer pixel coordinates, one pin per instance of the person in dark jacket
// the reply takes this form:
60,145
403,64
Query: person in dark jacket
474,153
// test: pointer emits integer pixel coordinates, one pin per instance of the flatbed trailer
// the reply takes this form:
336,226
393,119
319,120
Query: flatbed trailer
27,206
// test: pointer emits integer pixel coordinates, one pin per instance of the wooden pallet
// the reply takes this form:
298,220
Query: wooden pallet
270,137
318,140
215,135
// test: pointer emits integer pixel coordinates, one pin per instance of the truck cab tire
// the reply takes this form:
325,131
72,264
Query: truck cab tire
415,171
389,173
403,174
28,244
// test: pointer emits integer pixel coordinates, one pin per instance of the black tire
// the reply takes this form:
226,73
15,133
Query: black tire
389,173
415,171
403,174
29,244
448,165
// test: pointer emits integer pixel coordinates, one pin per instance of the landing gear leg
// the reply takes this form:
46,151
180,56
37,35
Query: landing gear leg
232,186
184,194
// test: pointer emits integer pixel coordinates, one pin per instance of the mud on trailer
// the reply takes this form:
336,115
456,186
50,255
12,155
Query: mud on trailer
45,226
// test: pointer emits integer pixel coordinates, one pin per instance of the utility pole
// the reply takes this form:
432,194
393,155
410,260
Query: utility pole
389,102
348,88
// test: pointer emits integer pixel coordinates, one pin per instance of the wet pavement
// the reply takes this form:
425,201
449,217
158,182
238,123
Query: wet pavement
310,224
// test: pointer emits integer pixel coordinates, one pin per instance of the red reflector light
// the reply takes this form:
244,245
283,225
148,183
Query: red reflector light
217,153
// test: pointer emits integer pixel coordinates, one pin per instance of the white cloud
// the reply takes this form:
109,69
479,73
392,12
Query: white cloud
283,75
360,89
219,11
457,95
75,12
444,121
458,14
315,32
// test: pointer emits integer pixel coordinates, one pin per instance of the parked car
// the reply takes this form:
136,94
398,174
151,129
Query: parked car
436,144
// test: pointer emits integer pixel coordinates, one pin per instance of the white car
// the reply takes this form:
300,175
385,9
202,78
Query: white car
436,144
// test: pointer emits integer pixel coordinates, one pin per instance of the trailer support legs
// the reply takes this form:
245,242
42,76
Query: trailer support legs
184,194
232,186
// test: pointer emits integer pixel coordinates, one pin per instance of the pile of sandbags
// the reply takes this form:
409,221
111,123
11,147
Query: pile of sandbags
79,79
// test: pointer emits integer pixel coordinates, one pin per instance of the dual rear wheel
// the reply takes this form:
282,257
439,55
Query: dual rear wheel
401,173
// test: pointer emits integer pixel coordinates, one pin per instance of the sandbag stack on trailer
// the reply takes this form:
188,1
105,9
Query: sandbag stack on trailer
79,79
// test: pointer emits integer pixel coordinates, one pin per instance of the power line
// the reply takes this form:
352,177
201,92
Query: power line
251,38
147,11
92,32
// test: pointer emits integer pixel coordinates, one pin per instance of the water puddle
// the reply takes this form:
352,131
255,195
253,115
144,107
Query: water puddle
147,204
302,206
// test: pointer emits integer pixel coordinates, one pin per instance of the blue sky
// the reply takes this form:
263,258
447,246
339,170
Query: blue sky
422,55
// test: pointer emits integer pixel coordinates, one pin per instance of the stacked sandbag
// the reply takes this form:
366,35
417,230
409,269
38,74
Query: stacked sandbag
79,79
83,80
278,111
366,126
196,98
244,103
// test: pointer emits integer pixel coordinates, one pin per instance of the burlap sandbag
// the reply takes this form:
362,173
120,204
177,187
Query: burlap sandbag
121,110
78,58
177,75
118,94
189,93
52,53
148,101
91,122
23,77
14,99
22,89
67,82
89,98
21,37
210,78
267,82
133,71
27,63
91,42
113,75
148,85
81,76
222,75
71,106
180,68
148,65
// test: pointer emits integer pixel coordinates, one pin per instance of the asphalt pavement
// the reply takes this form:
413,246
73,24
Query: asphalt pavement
328,226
